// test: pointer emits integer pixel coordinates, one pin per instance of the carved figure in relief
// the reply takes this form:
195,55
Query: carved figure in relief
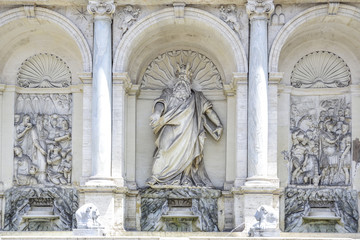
39,136
55,170
66,165
180,118
230,15
321,147
23,136
64,135
25,170
345,157
329,155
129,16
38,129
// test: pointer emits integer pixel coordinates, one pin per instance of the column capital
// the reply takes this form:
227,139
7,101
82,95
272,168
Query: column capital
101,9
259,9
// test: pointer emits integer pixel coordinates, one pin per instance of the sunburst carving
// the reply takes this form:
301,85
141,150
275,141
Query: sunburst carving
161,71
44,70
320,69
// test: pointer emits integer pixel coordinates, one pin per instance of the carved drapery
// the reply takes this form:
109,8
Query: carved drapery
320,69
161,71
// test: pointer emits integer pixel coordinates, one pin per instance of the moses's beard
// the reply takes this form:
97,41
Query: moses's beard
182,90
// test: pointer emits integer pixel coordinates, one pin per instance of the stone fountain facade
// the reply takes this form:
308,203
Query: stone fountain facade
180,116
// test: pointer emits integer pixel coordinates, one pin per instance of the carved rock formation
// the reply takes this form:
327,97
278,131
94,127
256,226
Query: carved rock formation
40,209
179,209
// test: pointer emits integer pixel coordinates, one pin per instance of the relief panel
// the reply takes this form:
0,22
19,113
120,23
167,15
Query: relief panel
320,129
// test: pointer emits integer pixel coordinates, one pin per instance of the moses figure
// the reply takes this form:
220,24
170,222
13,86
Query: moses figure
180,119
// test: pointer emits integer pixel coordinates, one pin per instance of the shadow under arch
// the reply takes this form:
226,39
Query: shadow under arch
58,19
299,20
160,21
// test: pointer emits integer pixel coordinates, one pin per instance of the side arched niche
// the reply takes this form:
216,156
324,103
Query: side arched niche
312,88
198,33
49,38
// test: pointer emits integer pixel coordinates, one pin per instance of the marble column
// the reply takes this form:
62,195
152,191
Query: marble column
258,12
101,90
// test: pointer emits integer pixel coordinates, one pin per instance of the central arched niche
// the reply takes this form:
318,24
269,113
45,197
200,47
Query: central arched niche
159,32
155,35
151,85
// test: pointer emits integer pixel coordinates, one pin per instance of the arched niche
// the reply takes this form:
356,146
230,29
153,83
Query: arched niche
153,36
200,31
315,32
47,33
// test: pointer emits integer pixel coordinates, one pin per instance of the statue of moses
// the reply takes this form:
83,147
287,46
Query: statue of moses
180,118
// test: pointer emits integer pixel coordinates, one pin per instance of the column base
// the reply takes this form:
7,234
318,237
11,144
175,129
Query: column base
259,181
100,181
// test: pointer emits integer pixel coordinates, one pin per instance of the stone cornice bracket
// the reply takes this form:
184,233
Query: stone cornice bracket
124,79
29,11
259,9
2,88
333,8
101,9
179,12
238,79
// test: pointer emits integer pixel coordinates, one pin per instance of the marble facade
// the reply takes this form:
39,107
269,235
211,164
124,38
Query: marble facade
78,80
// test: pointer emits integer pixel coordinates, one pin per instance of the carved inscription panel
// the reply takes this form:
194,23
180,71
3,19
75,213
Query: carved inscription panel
42,151
320,130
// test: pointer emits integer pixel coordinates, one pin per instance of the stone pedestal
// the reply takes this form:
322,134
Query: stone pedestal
179,209
110,203
259,232
89,232
253,198
40,208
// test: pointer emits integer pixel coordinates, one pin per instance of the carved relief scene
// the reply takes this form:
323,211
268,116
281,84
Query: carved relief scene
42,152
320,129
42,147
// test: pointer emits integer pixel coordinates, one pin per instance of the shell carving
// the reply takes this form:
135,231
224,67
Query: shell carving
44,70
320,69
161,72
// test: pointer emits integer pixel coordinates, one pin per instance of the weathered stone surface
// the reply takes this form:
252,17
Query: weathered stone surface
179,209
40,209
320,130
321,210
